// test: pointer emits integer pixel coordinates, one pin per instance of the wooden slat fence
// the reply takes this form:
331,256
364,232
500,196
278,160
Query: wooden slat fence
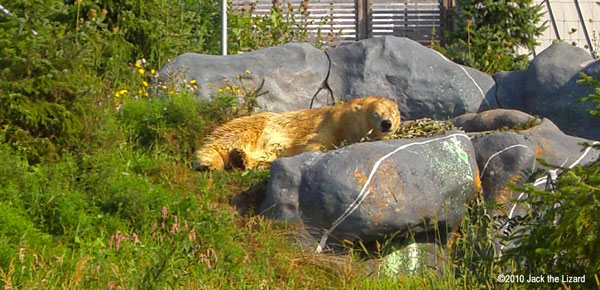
421,20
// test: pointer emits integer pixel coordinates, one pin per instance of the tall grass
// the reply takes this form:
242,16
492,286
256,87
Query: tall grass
96,184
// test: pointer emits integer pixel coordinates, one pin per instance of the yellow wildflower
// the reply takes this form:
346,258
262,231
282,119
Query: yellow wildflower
192,82
164,87
220,90
152,71
138,63
141,71
248,72
145,83
195,87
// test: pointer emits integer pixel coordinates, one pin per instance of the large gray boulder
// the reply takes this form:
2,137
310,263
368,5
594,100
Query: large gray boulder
510,157
292,73
424,82
495,119
389,186
549,88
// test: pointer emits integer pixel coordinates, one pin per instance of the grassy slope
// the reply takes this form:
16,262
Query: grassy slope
118,214
128,211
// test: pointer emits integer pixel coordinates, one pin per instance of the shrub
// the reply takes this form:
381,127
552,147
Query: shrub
43,80
155,30
60,59
593,97
172,124
250,32
490,34
559,236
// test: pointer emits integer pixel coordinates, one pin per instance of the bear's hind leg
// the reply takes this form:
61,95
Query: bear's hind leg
308,147
257,160
208,159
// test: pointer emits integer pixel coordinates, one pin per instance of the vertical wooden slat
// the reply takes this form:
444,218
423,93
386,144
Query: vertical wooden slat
362,19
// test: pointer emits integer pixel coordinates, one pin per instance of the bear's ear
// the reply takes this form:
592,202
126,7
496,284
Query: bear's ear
356,107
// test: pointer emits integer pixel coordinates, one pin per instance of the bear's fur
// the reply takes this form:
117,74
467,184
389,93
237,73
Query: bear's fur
257,140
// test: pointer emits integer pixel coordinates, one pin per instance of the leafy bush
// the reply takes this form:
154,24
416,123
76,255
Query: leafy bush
560,234
43,80
490,33
173,123
155,30
60,59
280,26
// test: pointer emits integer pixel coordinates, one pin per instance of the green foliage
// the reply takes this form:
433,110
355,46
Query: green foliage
422,128
60,58
96,190
172,122
489,34
475,256
592,97
154,30
280,26
235,99
560,233
43,80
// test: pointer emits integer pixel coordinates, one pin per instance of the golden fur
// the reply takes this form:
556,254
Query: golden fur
257,140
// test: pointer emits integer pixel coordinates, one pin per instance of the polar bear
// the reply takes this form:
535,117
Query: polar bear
255,141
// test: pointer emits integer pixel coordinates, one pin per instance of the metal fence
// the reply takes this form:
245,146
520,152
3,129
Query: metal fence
573,21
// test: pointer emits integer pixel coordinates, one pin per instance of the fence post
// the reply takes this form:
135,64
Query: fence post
447,18
362,19
223,27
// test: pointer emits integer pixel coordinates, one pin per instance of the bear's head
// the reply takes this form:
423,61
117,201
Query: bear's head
383,116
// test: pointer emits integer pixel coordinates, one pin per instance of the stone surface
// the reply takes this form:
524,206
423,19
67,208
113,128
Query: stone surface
549,88
281,201
292,73
494,120
420,182
411,259
503,158
425,83
511,157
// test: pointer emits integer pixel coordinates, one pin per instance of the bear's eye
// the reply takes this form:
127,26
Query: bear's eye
393,113
376,114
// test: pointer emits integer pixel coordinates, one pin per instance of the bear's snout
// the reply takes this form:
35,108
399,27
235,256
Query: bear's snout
386,125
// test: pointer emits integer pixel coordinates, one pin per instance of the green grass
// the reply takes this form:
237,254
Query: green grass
128,211
97,189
